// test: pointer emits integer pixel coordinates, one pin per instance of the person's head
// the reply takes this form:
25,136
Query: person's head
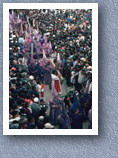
36,100
31,78
40,82
41,101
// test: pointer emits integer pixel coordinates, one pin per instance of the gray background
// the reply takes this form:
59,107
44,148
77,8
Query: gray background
106,143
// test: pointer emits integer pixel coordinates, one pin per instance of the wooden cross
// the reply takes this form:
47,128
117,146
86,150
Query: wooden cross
53,65
32,49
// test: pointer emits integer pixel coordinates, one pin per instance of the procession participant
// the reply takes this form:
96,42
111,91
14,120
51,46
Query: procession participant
56,82
58,115
63,119
46,69
75,112
47,73
41,89
38,46
38,72
46,45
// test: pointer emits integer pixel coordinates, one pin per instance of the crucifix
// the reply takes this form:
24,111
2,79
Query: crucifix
59,74
61,78
53,65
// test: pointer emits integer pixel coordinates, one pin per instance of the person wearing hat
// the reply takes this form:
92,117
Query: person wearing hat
31,82
35,108
48,126
40,122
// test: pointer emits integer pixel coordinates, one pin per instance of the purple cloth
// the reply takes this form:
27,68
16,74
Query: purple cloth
58,115
47,74
38,47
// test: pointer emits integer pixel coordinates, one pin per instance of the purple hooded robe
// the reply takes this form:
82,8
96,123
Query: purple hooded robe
58,115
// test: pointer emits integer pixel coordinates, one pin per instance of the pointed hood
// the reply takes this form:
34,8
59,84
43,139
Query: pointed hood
45,39
58,57
18,19
74,107
44,56
12,13
37,36
29,38
50,45
10,17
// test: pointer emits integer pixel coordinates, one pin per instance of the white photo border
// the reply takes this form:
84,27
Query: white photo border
6,7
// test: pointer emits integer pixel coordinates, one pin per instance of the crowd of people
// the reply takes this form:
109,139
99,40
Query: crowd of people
50,47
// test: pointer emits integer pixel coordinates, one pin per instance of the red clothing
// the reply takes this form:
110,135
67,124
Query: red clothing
42,93
28,100
57,86
56,83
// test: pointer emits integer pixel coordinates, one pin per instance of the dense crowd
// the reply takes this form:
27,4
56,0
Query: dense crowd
50,47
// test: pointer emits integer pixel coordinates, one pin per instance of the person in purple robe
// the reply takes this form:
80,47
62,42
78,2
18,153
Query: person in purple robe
76,114
39,75
47,73
46,69
86,103
32,67
26,46
58,115
46,45
50,49
38,47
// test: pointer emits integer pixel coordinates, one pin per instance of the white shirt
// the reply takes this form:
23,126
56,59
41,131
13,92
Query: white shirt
80,78
54,77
